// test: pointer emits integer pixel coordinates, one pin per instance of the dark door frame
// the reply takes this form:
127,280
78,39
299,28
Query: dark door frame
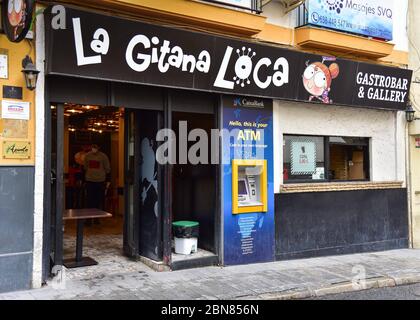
168,171
131,248
46,241
133,178
53,227
167,187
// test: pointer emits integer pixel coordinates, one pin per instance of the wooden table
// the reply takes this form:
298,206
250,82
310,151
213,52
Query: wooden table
81,215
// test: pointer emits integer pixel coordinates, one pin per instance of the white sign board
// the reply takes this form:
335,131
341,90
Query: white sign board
303,154
240,3
17,110
373,18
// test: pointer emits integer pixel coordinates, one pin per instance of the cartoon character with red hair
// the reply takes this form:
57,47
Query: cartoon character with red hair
317,79
16,13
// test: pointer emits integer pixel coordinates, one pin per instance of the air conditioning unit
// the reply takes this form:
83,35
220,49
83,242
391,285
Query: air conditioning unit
291,4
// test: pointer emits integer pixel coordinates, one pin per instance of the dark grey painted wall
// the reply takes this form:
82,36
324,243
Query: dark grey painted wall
16,227
330,223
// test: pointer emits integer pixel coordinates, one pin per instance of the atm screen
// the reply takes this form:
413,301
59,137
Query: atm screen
242,188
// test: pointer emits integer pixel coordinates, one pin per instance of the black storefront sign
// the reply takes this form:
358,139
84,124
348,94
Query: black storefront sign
97,46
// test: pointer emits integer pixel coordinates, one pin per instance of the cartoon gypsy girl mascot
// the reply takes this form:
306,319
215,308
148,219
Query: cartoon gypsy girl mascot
16,13
317,79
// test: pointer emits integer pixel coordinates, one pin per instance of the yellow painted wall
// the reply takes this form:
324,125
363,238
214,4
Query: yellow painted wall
415,191
17,51
414,127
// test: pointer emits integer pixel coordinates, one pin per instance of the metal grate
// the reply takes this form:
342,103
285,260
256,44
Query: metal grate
302,15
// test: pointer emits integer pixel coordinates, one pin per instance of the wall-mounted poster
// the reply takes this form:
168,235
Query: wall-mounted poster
16,110
303,157
4,64
16,150
372,18
14,129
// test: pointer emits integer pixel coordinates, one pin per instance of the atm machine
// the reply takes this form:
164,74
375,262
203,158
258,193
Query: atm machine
249,186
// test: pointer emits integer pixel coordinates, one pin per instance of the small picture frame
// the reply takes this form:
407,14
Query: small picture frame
4,64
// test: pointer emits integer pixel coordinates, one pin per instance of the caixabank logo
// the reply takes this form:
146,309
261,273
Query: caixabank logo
248,102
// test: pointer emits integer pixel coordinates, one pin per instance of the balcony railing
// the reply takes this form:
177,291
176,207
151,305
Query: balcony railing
302,15
255,5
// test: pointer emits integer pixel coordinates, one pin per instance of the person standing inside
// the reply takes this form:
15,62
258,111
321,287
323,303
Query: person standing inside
97,167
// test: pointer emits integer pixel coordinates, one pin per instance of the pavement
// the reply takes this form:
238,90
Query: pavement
407,292
296,279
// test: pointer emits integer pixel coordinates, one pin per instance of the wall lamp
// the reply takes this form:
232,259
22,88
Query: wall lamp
30,72
410,113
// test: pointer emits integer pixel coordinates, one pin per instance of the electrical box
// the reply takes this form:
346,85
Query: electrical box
249,186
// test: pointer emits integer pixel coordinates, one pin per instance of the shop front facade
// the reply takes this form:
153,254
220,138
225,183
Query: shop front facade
274,169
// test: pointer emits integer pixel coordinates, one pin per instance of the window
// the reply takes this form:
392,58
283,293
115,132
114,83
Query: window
349,158
324,159
304,158
251,5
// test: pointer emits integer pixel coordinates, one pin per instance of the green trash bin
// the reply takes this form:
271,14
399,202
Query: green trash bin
185,237
185,229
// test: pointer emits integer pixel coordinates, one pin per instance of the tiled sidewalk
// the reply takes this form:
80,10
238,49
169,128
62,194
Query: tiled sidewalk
278,280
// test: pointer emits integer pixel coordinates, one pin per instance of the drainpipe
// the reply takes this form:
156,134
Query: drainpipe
409,184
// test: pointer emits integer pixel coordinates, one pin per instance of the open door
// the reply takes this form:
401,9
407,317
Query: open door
57,187
143,219
131,184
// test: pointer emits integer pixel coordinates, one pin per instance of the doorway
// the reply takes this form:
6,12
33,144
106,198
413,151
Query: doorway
93,176
194,185
108,149
143,196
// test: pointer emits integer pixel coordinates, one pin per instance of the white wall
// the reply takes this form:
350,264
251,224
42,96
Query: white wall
274,11
385,128
400,25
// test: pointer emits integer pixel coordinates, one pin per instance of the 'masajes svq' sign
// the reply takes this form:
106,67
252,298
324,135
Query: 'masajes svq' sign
372,18
88,45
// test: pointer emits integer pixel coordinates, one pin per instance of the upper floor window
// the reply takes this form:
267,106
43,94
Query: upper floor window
251,5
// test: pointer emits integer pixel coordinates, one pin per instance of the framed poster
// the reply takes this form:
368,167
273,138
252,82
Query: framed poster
303,157
16,110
